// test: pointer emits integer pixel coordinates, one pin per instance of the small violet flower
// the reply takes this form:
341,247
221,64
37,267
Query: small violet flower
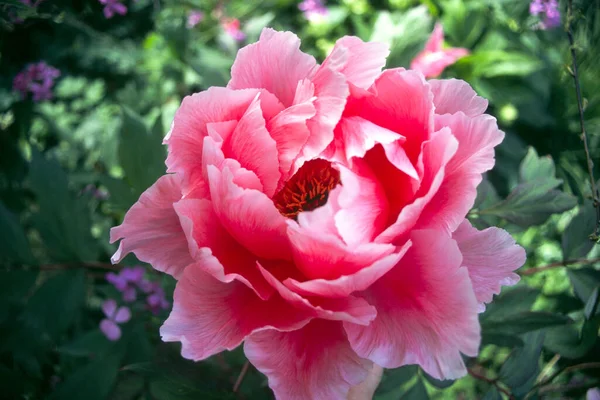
593,394
313,9
434,58
232,28
194,18
548,8
109,325
37,79
112,7
130,280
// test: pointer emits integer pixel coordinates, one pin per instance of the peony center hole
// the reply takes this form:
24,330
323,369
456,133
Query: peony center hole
307,189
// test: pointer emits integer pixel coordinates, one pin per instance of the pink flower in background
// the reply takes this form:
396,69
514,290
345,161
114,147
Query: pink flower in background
434,58
114,316
548,8
232,27
37,79
194,18
316,213
112,7
313,9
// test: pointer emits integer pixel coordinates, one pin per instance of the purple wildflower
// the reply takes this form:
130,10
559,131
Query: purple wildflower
194,18
112,7
593,394
313,9
37,79
548,8
232,28
109,325
156,300
127,281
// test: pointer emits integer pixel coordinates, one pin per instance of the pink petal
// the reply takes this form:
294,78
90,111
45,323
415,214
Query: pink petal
432,164
119,8
491,256
253,147
109,307
215,251
363,206
347,284
110,330
151,229
191,124
426,311
477,138
453,95
402,102
432,64
274,63
123,315
249,216
210,316
325,256
436,39
358,61
352,309
315,362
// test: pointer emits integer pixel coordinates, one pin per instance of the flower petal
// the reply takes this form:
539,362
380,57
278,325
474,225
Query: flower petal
249,216
453,95
110,330
109,307
426,311
210,316
436,39
491,256
123,315
360,62
315,362
151,229
477,138
274,63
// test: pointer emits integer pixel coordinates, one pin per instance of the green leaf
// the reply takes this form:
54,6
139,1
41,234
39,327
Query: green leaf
57,303
570,342
440,384
584,281
94,381
395,378
510,302
525,322
495,63
591,306
416,392
502,340
520,370
141,152
14,246
535,168
492,394
575,241
63,221
88,344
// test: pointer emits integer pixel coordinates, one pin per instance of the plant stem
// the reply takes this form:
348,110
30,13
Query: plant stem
493,382
590,165
559,264
241,376
99,265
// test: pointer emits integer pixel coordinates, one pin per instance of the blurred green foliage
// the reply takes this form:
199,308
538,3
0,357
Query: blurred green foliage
122,80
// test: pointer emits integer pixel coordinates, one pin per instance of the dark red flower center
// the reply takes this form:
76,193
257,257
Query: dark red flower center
307,189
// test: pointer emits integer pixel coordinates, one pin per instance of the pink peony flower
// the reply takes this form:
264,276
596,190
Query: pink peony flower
434,58
317,214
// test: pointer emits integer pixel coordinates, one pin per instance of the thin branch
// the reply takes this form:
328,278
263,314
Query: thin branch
241,376
573,368
559,264
493,382
590,165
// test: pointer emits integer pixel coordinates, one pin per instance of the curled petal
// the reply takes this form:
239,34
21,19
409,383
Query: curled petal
490,256
453,95
315,362
151,229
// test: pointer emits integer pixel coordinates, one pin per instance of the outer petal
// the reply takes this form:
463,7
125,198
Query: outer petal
348,284
274,63
315,362
426,311
436,39
151,229
123,315
109,307
477,138
491,256
249,216
453,95
210,316
360,62
110,329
